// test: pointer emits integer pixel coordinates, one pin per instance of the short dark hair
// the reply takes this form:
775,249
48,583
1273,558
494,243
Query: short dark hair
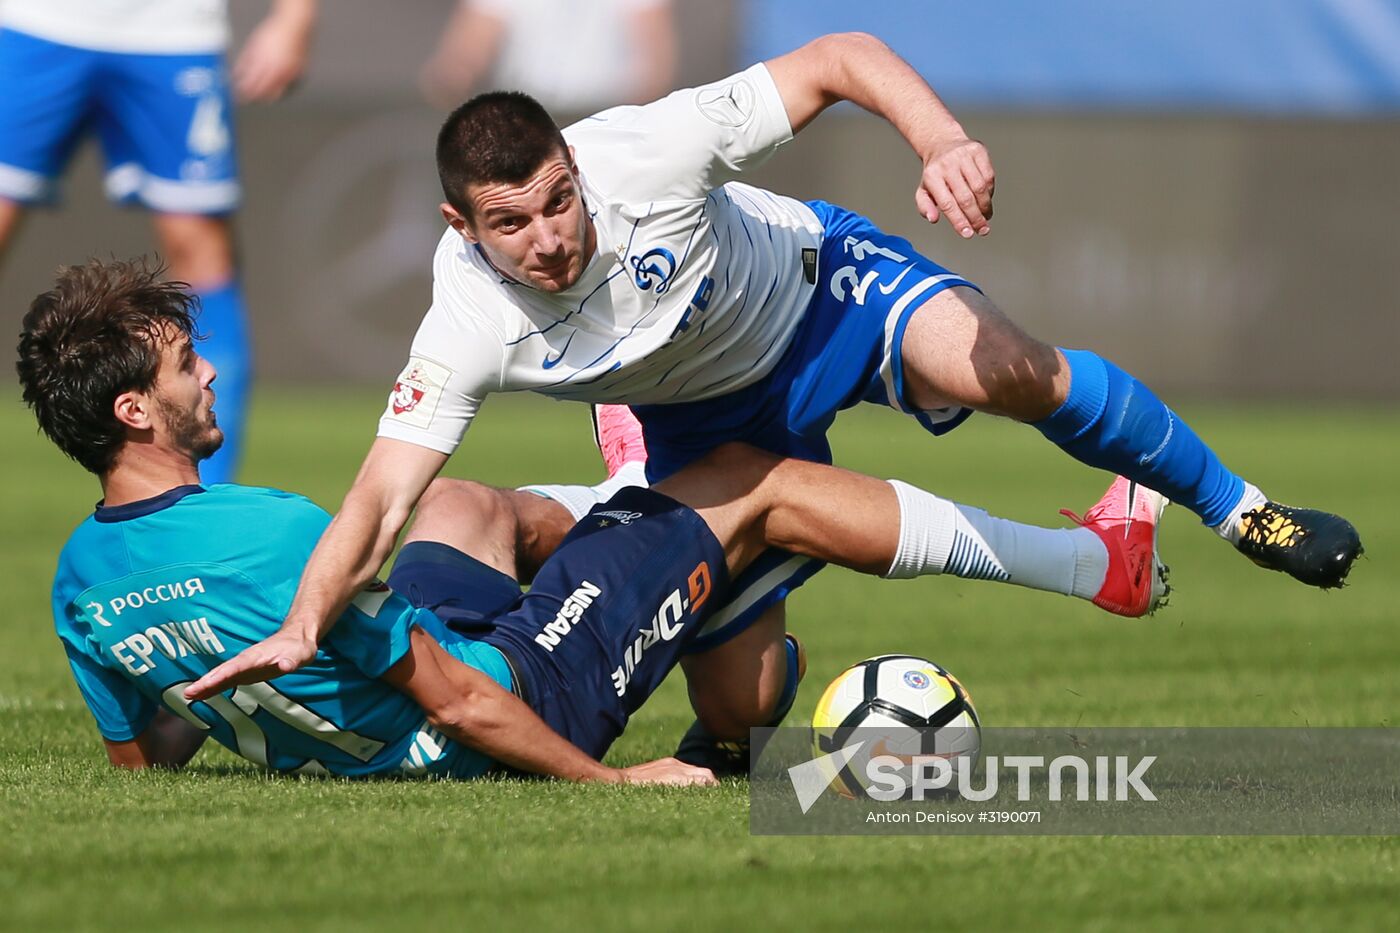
96,334
500,136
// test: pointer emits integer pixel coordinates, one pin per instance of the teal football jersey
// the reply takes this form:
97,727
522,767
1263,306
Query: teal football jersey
151,595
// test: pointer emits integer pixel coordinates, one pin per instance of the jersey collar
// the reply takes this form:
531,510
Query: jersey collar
142,507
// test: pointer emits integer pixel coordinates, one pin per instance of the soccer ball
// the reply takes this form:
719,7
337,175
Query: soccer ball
904,706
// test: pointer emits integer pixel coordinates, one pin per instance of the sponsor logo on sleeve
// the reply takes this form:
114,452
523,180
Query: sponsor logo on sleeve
727,105
417,392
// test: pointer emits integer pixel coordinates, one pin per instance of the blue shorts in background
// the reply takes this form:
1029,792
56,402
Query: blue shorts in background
165,123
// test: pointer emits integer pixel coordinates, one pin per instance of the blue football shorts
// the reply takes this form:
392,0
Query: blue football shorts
164,122
847,350
608,616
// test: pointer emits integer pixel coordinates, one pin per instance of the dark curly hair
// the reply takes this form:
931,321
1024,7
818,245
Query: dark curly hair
96,334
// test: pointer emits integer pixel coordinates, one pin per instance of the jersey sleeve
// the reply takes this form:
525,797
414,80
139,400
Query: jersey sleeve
121,711
688,143
456,360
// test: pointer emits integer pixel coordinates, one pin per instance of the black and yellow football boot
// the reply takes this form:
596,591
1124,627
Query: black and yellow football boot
1316,548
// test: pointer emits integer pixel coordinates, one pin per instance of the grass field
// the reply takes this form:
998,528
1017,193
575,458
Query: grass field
224,847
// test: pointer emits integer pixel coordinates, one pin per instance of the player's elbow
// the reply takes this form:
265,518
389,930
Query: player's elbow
848,46
851,40
461,720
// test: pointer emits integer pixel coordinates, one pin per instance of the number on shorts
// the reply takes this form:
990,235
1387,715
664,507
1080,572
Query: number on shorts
237,711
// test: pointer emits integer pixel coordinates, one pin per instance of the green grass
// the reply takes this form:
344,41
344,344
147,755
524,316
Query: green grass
223,847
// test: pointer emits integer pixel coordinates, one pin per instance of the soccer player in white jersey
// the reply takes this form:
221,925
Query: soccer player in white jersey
148,78
621,261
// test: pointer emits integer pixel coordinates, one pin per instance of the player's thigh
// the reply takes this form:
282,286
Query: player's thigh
729,488
960,349
166,127
737,685
40,125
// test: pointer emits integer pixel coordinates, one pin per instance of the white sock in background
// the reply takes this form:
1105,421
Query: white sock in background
939,536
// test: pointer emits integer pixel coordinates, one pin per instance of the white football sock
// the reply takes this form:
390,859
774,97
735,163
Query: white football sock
632,473
938,536
1251,500
579,499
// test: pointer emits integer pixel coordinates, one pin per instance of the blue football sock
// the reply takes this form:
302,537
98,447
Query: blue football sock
1112,421
789,694
224,324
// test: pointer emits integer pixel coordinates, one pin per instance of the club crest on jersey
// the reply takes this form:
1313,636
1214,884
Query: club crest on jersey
416,392
406,396
653,269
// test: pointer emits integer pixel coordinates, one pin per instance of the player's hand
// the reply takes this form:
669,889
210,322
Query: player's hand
272,60
668,771
958,183
272,657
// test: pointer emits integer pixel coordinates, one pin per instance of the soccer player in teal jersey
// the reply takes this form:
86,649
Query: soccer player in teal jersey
169,578
138,585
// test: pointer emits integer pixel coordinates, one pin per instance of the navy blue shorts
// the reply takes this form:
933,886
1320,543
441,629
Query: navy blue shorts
608,616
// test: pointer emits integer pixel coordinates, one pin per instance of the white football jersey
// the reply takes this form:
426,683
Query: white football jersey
695,291
189,27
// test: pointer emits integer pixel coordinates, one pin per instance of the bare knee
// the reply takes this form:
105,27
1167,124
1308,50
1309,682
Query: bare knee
470,517
959,349
1021,376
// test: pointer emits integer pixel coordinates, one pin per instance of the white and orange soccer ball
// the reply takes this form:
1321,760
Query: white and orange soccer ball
903,706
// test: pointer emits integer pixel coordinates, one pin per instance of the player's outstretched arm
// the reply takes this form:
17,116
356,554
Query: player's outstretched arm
349,554
469,707
958,179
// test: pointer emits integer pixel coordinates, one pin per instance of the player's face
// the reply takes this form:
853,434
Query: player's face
184,398
537,232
